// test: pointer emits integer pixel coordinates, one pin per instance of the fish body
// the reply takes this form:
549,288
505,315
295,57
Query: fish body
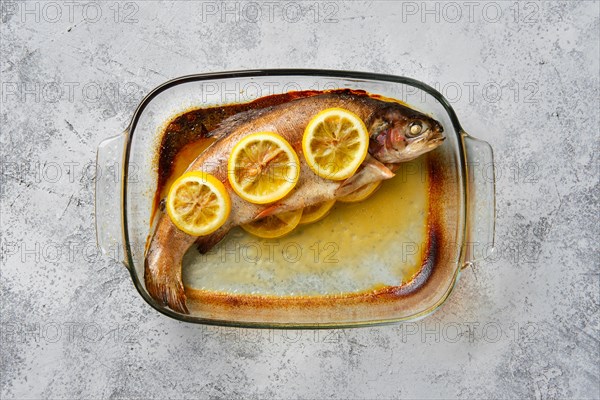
397,134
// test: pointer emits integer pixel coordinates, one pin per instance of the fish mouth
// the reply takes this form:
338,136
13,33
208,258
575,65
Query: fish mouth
437,137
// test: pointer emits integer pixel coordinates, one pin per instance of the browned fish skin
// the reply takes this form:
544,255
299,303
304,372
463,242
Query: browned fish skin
389,126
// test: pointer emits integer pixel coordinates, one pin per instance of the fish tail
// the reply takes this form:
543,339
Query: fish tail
166,287
163,262
162,266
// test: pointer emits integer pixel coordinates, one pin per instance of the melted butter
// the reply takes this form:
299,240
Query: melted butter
358,247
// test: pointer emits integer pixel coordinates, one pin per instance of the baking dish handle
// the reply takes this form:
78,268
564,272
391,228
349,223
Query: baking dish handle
109,195
481,199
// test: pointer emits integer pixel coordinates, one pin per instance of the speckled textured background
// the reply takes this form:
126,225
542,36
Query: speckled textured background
523,76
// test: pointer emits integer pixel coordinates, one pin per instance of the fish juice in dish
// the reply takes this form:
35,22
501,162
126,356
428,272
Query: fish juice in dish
397,134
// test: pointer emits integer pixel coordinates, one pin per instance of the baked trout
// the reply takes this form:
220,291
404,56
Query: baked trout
397,134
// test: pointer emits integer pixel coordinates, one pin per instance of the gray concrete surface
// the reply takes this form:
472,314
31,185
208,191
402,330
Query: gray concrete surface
523,76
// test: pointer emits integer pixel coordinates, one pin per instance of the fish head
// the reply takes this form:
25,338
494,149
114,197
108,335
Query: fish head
398,134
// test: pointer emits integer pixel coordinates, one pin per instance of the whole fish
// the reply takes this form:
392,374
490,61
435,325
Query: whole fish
397,134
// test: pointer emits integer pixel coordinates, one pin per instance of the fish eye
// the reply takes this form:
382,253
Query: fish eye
415,129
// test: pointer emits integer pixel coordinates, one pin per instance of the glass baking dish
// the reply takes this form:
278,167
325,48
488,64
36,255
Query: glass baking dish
460,211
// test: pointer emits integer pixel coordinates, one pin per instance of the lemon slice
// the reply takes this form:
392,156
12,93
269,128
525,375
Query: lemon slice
274,226
360,194
263,167
198,203
316,212
335,143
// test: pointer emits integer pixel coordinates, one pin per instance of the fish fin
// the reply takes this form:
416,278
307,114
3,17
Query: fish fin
272,209
205,243
371,171
230,124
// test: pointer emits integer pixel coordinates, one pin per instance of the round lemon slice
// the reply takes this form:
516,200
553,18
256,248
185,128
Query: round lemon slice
263,167
198,203
335,143
360,194
316,212
274,226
